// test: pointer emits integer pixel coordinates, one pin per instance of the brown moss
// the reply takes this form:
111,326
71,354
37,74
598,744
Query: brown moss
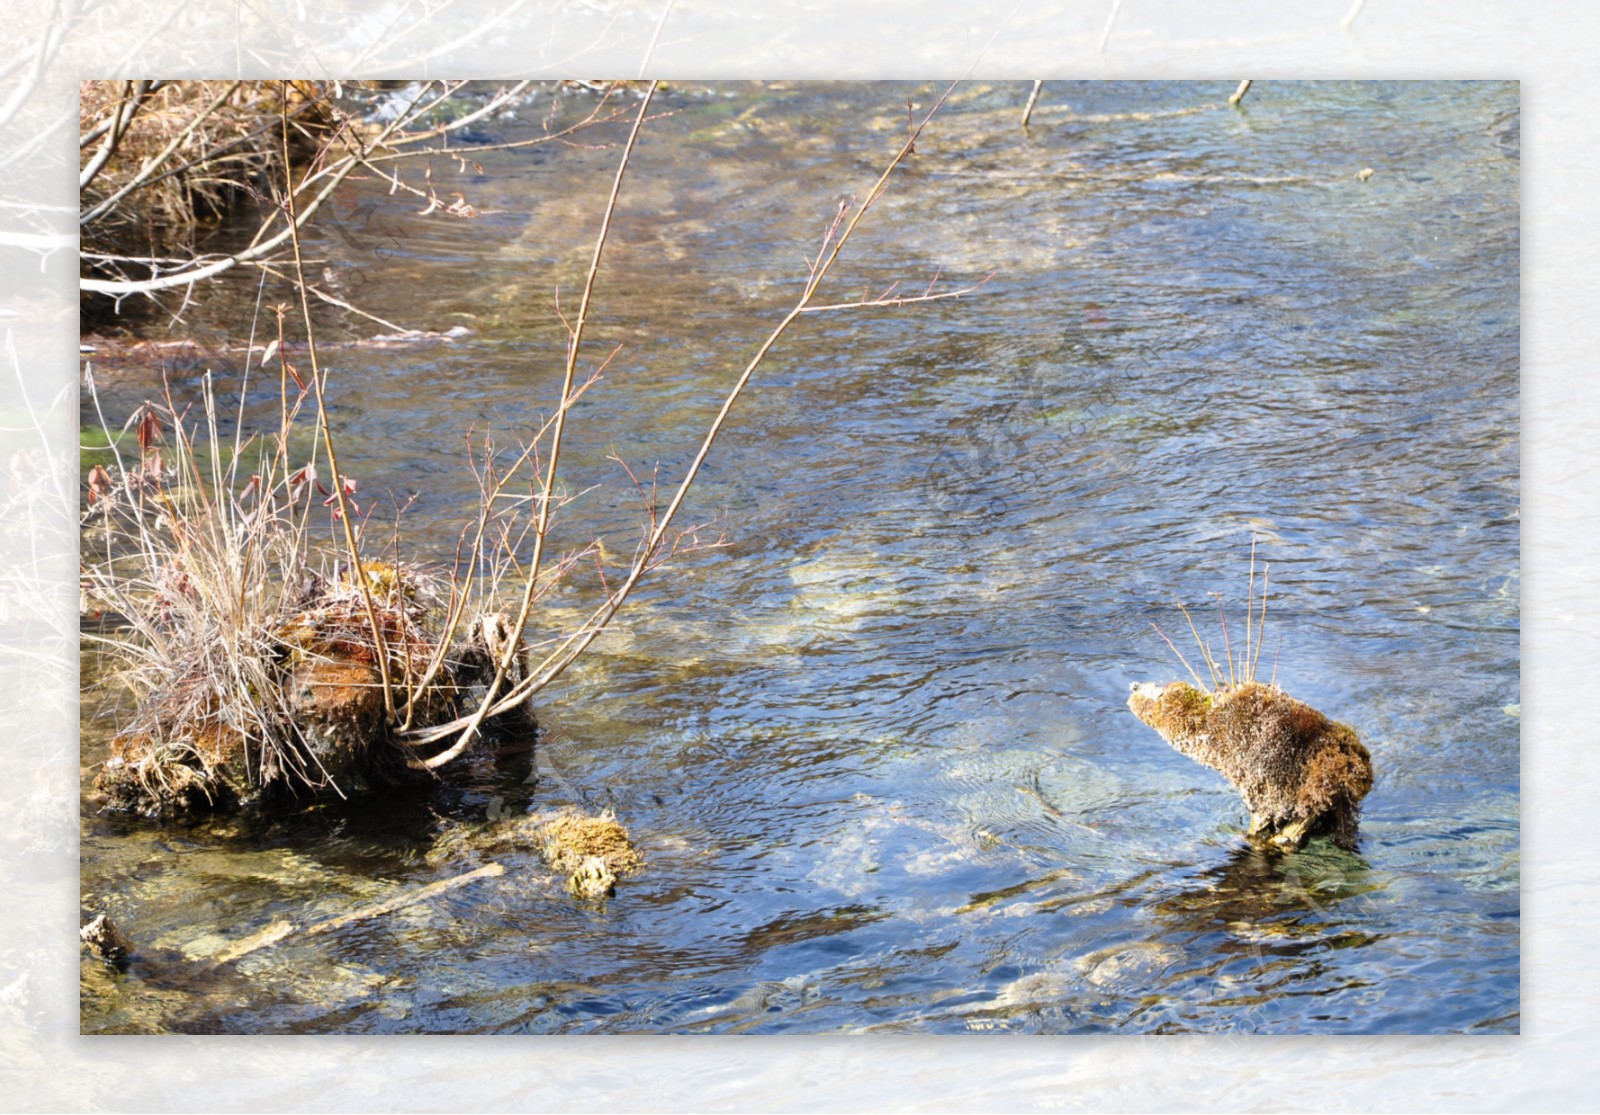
1299,772
339,708
176,758
591,851
568,839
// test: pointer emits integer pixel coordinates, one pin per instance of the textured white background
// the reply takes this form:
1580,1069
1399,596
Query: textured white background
45,1065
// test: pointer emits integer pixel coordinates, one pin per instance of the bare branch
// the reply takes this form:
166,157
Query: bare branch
127,107
884,301
542,523
575,643
352,548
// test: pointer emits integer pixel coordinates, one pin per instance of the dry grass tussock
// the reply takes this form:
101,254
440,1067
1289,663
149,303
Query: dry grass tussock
261,659
1234,668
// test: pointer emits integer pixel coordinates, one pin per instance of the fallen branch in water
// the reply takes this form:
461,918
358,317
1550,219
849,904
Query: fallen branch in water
279,930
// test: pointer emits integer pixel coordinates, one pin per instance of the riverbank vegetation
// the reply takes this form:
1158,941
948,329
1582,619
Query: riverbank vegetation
279,639
164,163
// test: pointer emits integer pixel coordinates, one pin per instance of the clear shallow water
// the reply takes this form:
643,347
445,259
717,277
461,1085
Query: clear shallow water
876,750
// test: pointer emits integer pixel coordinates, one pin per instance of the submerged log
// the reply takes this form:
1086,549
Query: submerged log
283,929
1300,774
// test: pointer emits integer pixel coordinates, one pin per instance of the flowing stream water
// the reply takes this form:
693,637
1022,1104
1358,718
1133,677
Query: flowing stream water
876,750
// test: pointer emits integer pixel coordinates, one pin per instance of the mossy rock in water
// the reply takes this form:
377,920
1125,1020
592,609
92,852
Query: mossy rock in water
592,851
1300,774
180,758
162,773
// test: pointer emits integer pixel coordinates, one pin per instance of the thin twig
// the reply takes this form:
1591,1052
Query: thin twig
1211,663
1227,644
1179,653
644,64
904,300
542,520
352,548
1248,669
1266,578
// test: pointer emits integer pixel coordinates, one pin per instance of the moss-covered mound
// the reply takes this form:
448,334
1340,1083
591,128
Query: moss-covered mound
1300,774
591,851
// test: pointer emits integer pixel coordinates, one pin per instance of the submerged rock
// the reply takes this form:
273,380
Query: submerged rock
1300,774
106,941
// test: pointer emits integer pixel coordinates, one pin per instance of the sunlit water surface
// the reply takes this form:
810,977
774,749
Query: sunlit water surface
876,750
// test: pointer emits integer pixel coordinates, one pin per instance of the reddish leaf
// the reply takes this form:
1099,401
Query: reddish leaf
99,484
149,430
